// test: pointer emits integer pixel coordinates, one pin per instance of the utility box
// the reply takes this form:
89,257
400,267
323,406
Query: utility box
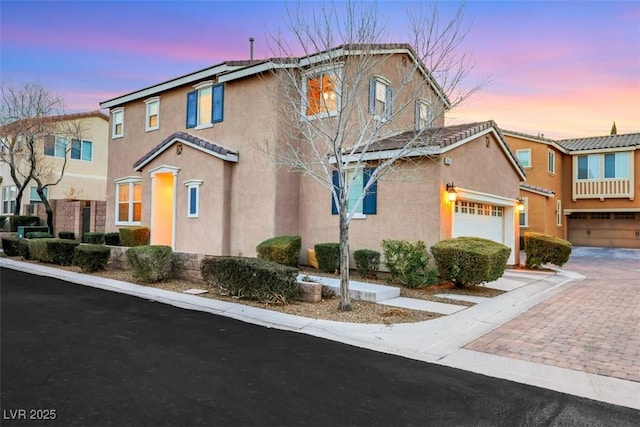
23,230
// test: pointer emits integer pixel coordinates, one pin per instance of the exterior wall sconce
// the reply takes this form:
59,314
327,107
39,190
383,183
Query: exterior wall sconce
451,192
520,204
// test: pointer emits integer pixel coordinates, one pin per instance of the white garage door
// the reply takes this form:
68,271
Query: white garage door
478,220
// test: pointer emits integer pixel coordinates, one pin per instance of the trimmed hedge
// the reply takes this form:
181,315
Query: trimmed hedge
253,278
54,251
328,256
38,235
93,237
542,248
112,239
67,235
3,221
134,236
470,260
284,250
408,262
16,221
150,263
91,258
367,261
23,248
10,246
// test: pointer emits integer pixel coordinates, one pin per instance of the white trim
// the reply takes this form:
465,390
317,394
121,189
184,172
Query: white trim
148,103
164,169
130,180
203,85
174,170
527,150
537,192
604,150
336,69
230,157
479,196
115,111
553,154
193,183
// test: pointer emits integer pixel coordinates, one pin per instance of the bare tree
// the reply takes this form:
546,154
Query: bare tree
337,120
31,124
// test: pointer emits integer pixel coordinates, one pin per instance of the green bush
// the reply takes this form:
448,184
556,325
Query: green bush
253,278
284,250
542,248
367,261
91,258
150,263
328,256
23,248
16,221
408,263
134,236
470,260
38,235
3,222
51,250
112,239
38,250
10,246
93,237
67,235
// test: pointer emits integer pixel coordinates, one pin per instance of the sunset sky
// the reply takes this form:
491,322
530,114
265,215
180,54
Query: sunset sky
564,69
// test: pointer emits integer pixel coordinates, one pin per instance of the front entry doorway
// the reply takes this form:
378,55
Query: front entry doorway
163,205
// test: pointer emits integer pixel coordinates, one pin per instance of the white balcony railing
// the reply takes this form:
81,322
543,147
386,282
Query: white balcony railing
603,189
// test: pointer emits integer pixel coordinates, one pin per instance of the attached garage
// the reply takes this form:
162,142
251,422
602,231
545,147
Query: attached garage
605,229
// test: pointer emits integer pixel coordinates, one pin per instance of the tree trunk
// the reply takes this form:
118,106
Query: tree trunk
48,209
345,301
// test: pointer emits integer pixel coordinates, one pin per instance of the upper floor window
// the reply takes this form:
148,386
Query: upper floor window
129,201
9,194
81,149
380,98
205,105
551,162
524,157
589,166
55,146
117,123
424,114
322,92
34,197
152,117
616,165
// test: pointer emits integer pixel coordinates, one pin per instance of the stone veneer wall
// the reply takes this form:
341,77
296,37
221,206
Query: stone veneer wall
188,264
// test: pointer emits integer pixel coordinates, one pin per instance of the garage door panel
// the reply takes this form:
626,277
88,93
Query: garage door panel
478,220
608,230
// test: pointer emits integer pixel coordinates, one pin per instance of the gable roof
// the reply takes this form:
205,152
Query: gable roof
191,141
233,70
602,142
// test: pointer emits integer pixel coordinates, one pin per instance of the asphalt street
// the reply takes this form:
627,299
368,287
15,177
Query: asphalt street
89,357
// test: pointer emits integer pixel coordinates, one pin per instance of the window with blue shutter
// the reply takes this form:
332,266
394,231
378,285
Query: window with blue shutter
336,186
218,104
369,203
192,109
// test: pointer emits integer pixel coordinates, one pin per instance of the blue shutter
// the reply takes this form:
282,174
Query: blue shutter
336,186
372,96
217,112
370,202
192,109
388,107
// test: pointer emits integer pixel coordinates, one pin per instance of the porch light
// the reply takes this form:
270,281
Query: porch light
520,204
451,192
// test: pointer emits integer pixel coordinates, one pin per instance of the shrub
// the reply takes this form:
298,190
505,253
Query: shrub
542,248
3,222
367,261
470,260
16,221
93,237
67,235
55,251
253,278
328,255
134,236
23,248
10,246
38,235
408,262
112,239
91,258
150,263
284,250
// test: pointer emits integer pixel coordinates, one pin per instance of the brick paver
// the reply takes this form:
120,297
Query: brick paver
594,326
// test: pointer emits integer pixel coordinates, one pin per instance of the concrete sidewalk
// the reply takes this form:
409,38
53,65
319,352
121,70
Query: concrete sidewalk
438,341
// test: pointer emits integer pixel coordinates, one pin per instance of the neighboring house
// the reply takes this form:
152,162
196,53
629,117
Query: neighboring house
186,158
584,190
78,199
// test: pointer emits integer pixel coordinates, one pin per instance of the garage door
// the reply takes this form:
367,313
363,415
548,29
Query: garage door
605,229
478,220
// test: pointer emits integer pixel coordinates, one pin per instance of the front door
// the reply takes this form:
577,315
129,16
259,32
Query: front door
163,200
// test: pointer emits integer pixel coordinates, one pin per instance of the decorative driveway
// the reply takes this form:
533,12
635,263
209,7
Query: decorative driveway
594,326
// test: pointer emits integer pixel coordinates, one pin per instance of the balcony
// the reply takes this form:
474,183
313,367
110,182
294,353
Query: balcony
603,188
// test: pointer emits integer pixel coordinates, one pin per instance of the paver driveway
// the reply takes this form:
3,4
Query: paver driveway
594,326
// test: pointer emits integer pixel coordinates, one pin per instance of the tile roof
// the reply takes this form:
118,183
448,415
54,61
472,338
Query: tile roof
529,136
191,140
537,189
600,142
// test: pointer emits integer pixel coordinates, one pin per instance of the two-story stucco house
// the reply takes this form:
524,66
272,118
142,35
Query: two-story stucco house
186,158
584,190
78,199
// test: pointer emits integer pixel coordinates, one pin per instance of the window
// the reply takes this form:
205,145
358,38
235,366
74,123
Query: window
9,199
34,197
616,165
128,201
193,197
524,215
551,162
601,216
558,213
524,157
81,150
497,211
380,98
589,166
117,123
205,105
322,94
369,203
55,146
152,120
424,114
